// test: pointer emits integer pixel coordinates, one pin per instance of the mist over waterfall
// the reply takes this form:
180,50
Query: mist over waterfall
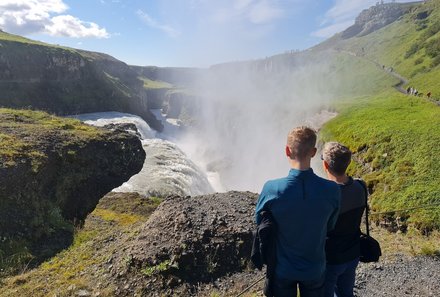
166,171
240,116
246,111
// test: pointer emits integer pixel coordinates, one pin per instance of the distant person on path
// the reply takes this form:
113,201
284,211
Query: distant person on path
408,90
415,92
429,95
342,246
305,208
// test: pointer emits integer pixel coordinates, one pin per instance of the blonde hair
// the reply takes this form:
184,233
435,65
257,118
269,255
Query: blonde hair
301,140
337,156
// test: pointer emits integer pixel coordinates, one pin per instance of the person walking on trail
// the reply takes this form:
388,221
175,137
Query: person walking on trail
408,90
343,244
305,208
429,95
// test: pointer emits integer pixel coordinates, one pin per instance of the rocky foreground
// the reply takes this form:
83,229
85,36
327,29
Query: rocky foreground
187,242
200,246
187,246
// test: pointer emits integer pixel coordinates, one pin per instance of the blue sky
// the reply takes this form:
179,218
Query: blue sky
181,32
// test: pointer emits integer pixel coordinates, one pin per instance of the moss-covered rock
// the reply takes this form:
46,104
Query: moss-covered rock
53,172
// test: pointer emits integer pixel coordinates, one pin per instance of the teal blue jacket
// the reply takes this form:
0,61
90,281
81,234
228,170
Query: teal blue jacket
305,207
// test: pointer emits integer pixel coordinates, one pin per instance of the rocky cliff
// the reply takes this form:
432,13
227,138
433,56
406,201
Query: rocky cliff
178,76
53,172
375,18
67,81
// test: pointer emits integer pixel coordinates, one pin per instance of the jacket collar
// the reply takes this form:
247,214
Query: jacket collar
300,173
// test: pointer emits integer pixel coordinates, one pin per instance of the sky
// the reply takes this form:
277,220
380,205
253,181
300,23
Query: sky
181,33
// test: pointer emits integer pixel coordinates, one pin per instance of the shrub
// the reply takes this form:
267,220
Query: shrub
418,70
418,61
429,250
435,61
432,48
421,24
412,50
431,30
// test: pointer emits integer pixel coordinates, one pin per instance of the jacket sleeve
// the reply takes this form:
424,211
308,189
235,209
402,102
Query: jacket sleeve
261,203
334,215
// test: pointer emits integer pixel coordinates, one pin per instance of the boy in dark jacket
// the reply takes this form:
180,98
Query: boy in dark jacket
343,246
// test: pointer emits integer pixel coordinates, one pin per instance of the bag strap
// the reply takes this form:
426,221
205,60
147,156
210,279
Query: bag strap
367,209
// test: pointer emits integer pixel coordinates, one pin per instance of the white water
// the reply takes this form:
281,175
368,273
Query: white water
192,149
167,170
183,163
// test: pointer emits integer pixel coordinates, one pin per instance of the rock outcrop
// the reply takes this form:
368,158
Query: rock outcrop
53,172
187,241
375,18
178,76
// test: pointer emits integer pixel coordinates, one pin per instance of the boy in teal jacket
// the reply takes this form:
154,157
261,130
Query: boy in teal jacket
305,207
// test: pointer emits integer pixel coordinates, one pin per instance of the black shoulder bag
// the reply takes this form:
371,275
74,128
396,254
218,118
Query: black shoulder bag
370,247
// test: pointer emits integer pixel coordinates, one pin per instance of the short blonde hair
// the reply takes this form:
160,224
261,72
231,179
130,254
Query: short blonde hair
301,140
337,156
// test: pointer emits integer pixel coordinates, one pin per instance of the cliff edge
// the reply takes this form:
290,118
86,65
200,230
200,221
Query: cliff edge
53,172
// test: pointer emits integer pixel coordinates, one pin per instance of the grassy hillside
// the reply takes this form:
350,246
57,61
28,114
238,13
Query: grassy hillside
395,139
4,36
353,76
155,84
411,45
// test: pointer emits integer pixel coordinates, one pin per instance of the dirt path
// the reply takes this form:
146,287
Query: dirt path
402,276
395,276
390,71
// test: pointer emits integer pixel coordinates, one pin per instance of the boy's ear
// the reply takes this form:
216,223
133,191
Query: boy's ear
288,152
325,164
313,152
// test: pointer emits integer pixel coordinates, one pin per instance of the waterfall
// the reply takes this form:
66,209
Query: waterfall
167,170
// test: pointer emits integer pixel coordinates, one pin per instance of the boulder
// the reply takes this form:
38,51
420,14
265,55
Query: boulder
188,241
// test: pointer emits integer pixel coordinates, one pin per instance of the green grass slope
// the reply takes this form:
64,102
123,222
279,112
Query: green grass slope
395,137
348,71
21,132
411,45
395,140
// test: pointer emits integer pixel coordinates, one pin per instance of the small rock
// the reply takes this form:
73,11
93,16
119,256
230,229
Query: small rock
83,293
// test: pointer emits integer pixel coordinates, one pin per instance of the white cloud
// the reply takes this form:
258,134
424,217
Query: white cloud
70,26
342,14
148,20
44,16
